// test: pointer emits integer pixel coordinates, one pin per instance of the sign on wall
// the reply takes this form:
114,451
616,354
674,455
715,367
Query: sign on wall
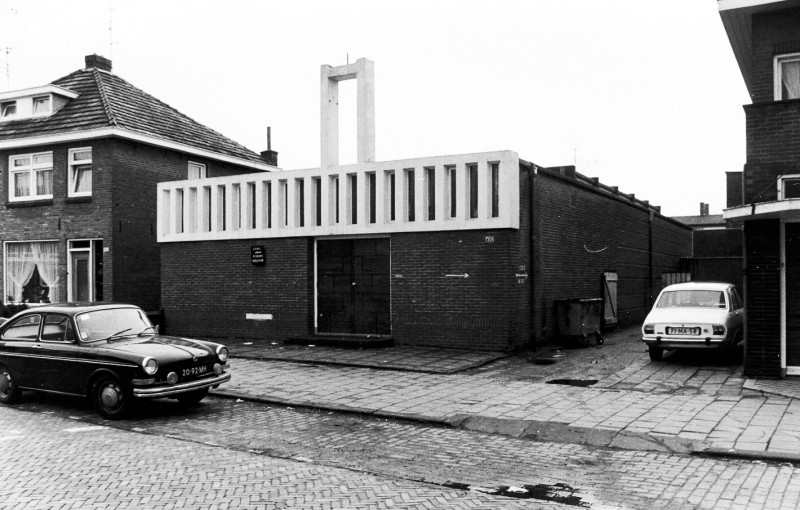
258,256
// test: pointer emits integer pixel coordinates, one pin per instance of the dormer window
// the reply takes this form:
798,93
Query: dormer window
787,77
41,105
8,109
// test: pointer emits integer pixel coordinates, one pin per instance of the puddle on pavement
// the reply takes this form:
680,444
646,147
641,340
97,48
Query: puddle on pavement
574,382
557,493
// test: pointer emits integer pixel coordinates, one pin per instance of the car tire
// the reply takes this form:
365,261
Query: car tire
192,397
656,353
109,398
9,391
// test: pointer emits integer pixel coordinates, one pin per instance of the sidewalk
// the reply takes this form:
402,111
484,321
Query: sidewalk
687,403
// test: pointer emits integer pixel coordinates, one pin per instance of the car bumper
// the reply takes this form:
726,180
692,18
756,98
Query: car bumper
177,389
666,342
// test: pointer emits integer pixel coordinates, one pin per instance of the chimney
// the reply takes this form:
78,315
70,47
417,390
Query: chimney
269,155
704,209
98,62
735,192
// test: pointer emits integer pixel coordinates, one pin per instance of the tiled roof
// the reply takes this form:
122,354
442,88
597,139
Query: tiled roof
107,101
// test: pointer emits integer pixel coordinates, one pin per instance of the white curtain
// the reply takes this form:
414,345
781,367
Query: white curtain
46,256
790,72
19,267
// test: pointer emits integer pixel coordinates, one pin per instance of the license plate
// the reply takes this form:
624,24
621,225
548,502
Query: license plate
683,331
194,371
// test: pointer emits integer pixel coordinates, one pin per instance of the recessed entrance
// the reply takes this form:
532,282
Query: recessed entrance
353,287
792,247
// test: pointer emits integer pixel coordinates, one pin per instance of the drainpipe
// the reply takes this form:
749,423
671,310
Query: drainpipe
650,258
532,267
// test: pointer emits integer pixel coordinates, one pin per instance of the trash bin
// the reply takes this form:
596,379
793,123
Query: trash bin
579,318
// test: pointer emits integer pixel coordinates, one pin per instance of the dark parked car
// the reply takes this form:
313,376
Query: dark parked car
109,353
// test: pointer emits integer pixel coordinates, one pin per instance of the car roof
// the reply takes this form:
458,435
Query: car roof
75,308
699,286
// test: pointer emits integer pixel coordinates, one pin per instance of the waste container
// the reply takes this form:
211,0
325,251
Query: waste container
579,318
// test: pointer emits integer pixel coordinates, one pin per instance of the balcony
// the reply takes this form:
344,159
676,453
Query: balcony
462,192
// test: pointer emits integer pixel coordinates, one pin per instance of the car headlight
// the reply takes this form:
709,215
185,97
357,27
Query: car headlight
649,329
222,353
150,366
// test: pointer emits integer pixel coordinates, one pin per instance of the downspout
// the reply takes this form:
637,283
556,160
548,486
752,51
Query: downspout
532,267
651,216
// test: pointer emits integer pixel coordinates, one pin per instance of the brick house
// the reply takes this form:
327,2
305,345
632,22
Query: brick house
464,251
765,37
80,159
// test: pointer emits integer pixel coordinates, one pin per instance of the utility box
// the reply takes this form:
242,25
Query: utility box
579,317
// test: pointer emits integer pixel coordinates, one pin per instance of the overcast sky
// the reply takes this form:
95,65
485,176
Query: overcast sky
645,95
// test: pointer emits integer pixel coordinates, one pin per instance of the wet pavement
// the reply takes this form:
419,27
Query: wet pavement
690,402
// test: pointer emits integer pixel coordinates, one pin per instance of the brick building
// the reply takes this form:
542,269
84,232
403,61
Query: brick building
465,251
80,159
765,37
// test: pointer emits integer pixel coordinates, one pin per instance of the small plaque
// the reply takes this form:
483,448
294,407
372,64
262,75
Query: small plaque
258,256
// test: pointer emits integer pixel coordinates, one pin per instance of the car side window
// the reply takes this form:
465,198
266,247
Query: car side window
24,328
736,300
57,328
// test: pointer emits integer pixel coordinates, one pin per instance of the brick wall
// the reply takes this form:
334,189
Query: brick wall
60,219
762,298
208,287
582,232
774,33
773,148
136,258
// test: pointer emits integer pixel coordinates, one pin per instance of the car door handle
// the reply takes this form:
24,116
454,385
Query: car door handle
37,346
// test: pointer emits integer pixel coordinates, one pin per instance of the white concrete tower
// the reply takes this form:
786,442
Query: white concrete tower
363,71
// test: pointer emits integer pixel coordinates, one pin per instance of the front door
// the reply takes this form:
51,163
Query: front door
792,246
81,277
353,287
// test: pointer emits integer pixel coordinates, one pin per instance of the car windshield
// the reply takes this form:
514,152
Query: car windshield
692,299
105,324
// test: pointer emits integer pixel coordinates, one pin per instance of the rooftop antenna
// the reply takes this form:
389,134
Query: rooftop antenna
111,30
7,50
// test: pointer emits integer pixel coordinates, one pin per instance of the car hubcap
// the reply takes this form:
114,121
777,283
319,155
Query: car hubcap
110,397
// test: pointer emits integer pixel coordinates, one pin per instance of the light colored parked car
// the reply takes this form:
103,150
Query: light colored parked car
695,315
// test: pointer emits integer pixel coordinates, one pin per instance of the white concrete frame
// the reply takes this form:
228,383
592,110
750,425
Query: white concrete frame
283,212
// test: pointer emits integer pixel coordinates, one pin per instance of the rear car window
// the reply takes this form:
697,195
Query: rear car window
692,299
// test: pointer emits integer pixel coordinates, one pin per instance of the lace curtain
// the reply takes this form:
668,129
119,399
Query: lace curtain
790,73
22,258
46,256
19,267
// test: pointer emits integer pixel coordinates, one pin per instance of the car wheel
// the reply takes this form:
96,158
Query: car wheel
192,397
9,391
109,398
656,353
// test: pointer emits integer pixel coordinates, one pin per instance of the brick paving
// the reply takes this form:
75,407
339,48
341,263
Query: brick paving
62,464
686,403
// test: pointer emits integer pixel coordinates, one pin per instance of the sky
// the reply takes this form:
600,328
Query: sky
646,96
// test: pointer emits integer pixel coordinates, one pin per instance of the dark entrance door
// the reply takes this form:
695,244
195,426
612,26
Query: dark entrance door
353,287
792,294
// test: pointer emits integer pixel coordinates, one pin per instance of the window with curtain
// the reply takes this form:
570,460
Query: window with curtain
787,77
80,172
32,272
31,176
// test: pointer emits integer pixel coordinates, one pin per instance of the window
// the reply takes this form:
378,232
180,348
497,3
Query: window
451,190
410,199
8,109
80,172
787,77
788,187
31,176
32,272
26,328
430,192
41,105
57,328
197,171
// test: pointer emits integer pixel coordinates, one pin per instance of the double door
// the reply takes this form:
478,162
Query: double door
353,294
